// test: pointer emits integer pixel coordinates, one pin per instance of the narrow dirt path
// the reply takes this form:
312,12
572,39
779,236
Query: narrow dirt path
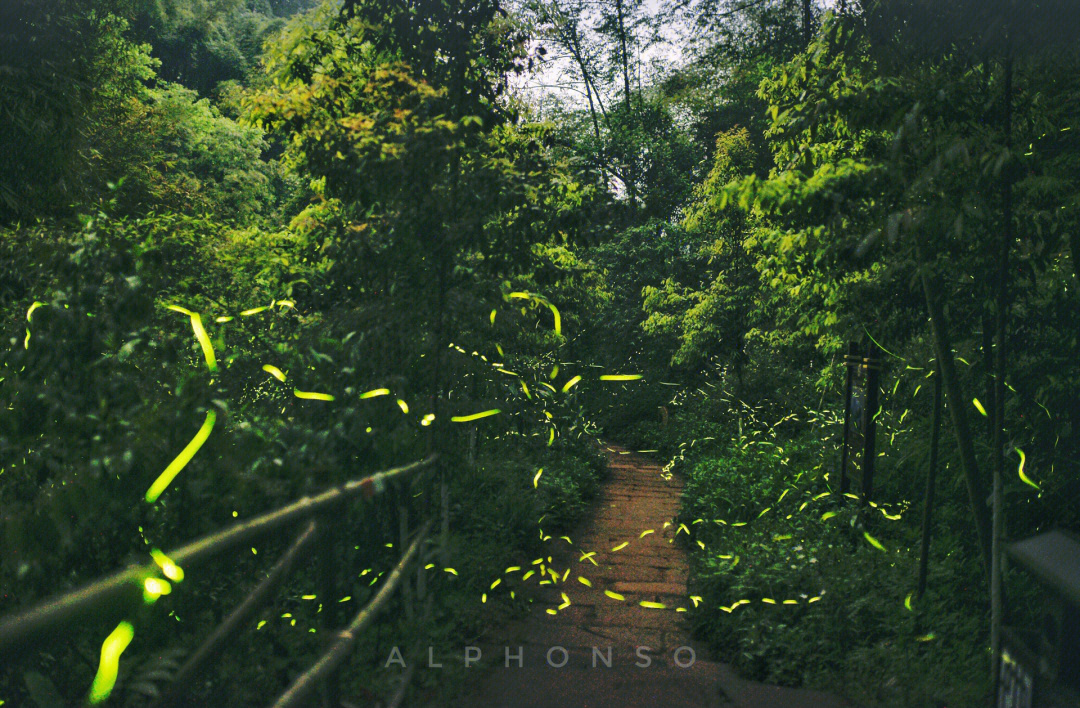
654,662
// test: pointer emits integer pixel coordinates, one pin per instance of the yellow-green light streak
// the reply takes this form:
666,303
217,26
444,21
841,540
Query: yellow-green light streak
168,568
181,460
204,341
274,371
474,416
200,334
111,649
1023,477
312,395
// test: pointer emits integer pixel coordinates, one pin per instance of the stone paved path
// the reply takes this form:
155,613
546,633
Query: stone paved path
651,568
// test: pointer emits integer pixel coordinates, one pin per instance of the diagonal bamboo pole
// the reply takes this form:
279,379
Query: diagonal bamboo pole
228,627
301,689
115,593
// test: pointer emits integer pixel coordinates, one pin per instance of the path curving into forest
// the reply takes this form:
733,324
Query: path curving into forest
652,568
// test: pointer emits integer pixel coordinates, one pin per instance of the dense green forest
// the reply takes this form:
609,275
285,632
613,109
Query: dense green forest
270,246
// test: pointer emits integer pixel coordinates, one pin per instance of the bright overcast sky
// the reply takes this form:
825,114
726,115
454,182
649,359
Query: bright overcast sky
558,77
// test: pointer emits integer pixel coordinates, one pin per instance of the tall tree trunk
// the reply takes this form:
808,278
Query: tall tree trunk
739,394
628,177
1074,251
807,19
1000,320
968,462
592,110
624,53
988,370
573,43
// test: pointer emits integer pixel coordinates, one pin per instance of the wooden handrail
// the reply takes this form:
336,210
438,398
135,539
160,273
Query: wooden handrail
225,630
116,593
299,692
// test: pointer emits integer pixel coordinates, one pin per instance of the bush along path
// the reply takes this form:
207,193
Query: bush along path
608,627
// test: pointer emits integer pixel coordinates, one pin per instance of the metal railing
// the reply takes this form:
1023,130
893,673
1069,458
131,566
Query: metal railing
115,595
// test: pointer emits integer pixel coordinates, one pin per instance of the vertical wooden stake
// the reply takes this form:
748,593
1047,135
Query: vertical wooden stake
873,372
928,497
426,509
330,695
444,512
403,542
997,599
849,367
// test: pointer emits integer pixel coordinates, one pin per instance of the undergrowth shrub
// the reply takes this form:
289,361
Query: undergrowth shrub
824,606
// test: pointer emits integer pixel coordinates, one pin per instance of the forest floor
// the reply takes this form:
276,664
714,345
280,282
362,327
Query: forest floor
654,567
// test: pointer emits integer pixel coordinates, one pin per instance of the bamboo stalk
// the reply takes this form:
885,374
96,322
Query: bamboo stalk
961,431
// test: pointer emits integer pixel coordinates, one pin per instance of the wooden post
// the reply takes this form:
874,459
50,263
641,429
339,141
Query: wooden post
849,366
343,641
957,402
231,625
439,429
988,366
425,513
928,497
403,542
997,532
873,372
329,688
